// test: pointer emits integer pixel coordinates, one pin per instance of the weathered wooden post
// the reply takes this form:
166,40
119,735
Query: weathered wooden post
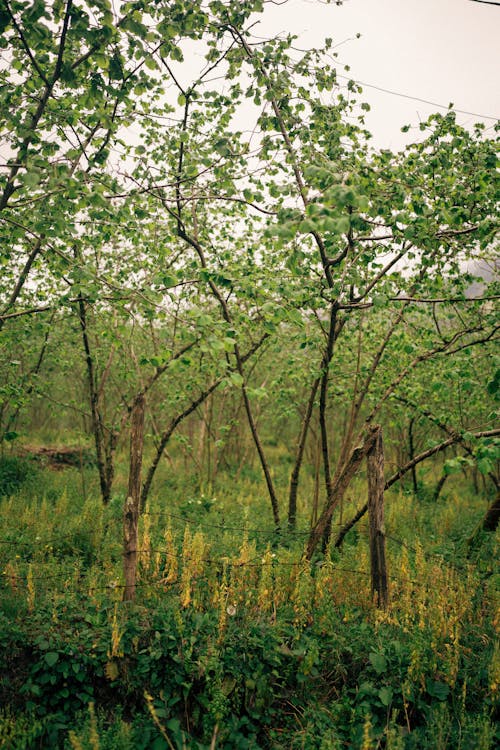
375,460
132,504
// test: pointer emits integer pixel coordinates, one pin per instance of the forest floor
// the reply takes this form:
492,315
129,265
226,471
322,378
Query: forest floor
234,641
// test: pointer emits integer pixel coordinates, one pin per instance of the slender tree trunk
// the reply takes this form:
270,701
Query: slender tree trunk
35,251
260,450
349,525
200,453
194,243
294,478
439,487
105,475
340,485
167,434
492,517
405,469
323,398
323,401
132,504
475,480
379,580
411,448
317,472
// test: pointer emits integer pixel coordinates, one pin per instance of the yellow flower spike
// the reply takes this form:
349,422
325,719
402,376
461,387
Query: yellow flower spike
303,595
145,544
223,587
244,555
30,585
367,730
75,741
170,571
12,575
199,551
116,636
266,584
94,733
187,570
157,565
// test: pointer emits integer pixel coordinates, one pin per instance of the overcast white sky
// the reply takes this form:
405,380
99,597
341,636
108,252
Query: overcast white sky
440,50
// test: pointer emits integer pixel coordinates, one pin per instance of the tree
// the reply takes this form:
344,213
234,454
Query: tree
205,242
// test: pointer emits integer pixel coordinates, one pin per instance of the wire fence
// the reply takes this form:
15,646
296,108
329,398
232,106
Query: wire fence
228,561
285,532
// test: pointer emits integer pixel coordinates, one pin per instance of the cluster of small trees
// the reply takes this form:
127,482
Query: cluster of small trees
223,241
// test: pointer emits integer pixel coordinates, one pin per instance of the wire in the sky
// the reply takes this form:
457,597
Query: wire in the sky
485,2
417,98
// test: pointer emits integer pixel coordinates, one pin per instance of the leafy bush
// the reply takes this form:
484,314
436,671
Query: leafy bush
15,472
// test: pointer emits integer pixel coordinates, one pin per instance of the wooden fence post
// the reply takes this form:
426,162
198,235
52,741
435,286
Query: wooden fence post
132,503
379,580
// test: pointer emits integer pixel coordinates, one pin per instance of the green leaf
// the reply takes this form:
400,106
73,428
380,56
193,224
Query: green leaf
378,662
484,465
115,68
385,694
51,657
176,54
31,179
236,379
493,386
222,146
439,690
379,300
4,20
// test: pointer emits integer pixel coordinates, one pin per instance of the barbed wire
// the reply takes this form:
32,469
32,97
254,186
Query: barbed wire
229,558
38,541
225,562
285,531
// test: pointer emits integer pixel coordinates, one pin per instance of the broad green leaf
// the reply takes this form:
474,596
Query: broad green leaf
51,657
378,662
439,690
385,694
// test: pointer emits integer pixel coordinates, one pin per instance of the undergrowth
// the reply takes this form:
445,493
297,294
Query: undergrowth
235,641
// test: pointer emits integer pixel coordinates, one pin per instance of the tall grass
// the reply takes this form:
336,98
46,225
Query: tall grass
236,639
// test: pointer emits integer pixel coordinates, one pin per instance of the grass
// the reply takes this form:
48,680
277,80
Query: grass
234,641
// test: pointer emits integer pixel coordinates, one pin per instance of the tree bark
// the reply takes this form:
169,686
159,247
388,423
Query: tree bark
323,399
167,434
105,471
132,504
260,450
340,485
411,448
492,517
404,469
294,478
379,580
439,487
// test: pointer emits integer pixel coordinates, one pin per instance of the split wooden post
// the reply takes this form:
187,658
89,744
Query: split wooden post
379,580
132,504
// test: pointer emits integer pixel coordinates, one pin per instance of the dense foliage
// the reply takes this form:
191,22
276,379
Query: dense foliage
232,636
214,293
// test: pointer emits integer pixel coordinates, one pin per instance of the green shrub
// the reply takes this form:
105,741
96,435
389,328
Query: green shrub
14,473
